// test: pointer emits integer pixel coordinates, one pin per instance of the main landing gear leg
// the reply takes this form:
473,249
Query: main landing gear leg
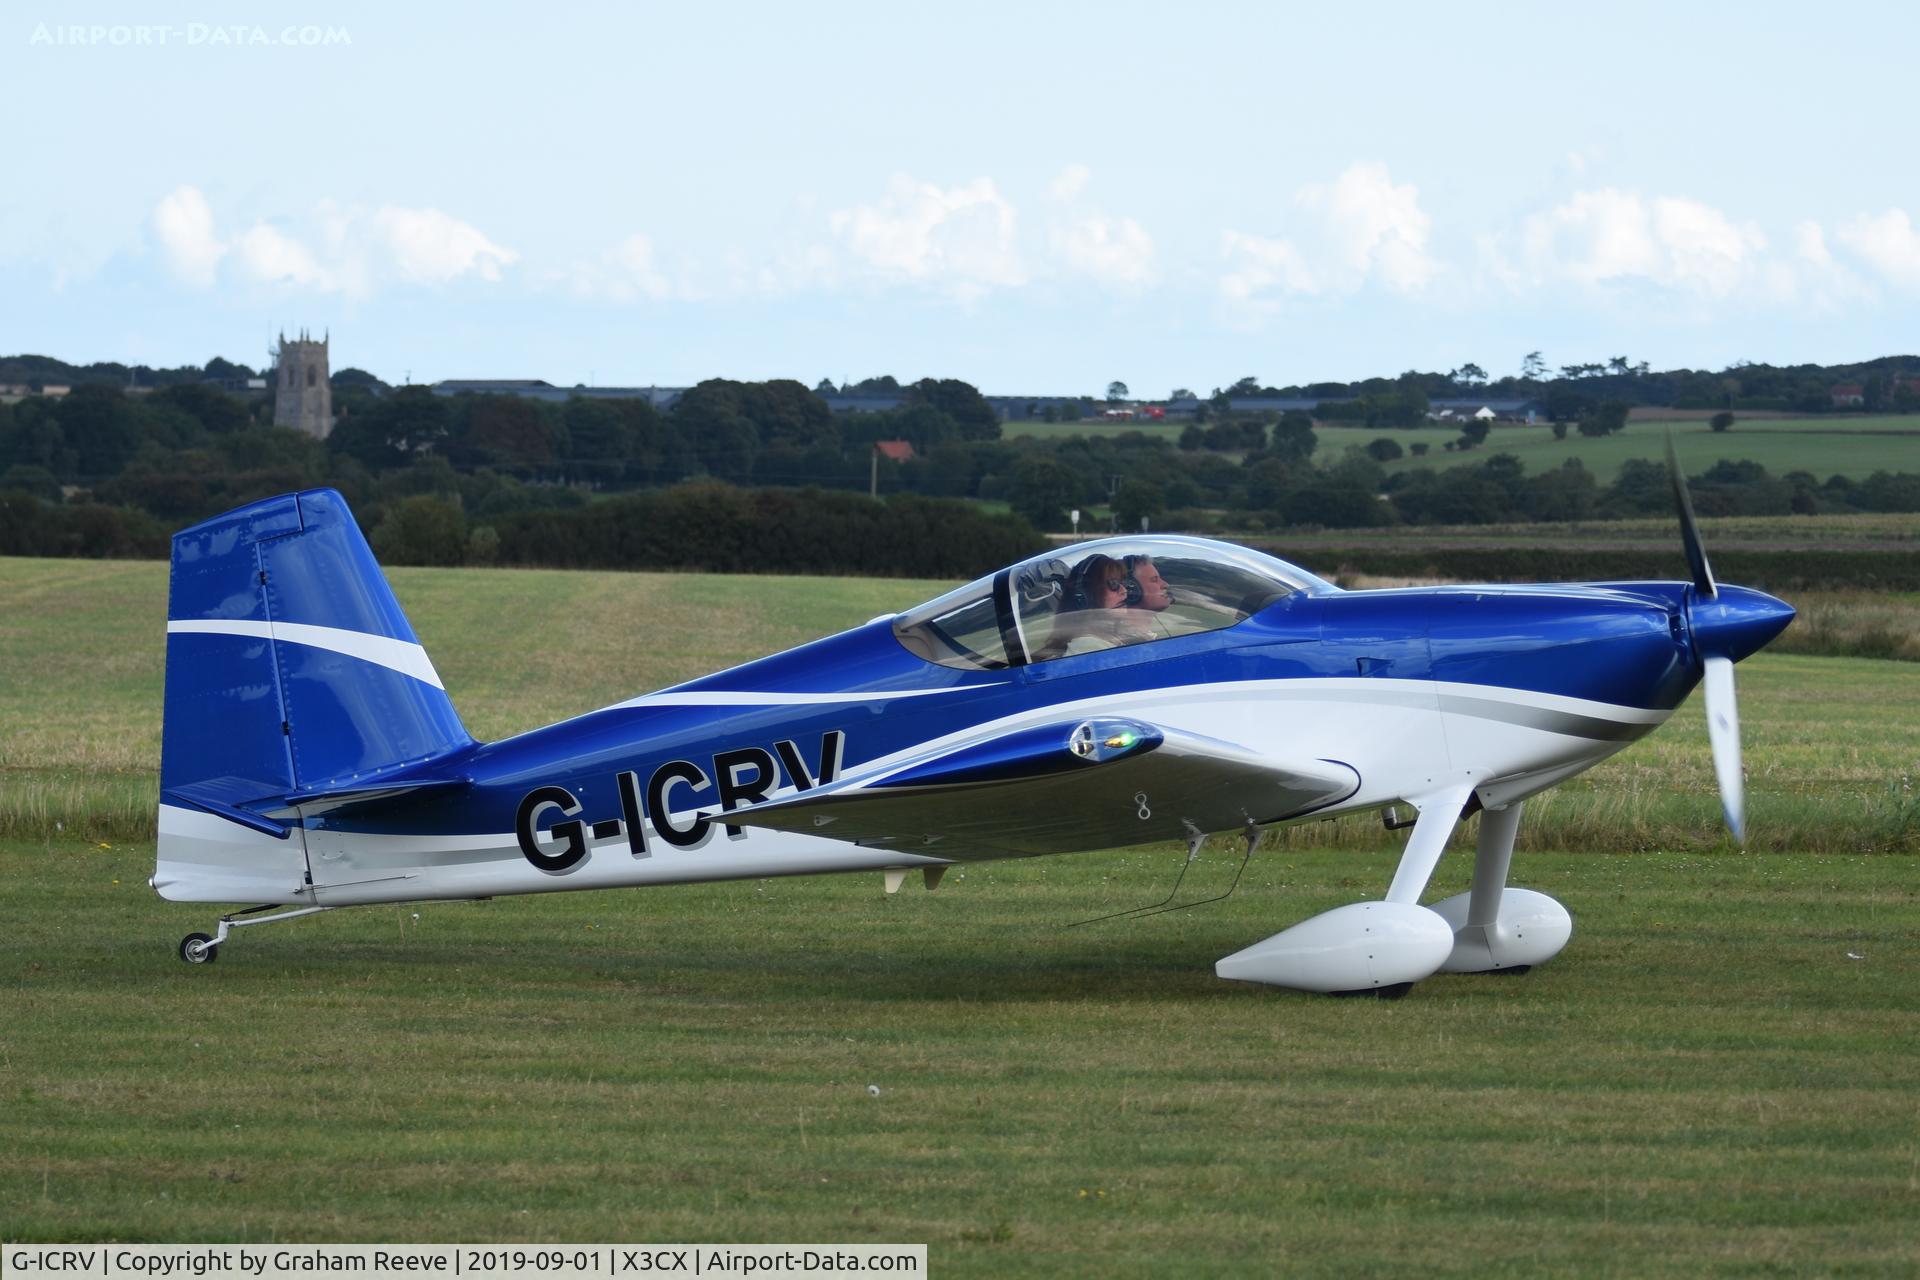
1367,948
1497,929
1438,817
1492,856
198,948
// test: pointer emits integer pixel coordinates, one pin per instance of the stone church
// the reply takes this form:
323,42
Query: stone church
302,396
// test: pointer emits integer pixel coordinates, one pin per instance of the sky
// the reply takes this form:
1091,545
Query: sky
1036,198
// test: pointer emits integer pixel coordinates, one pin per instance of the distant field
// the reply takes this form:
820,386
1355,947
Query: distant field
1897,532
1849,446
1855,447
1830,739
1169,431
1798,556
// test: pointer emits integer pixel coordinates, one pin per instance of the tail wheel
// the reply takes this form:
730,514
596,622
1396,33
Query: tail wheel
198,948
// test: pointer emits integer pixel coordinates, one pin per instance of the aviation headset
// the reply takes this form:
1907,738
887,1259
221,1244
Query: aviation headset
1081,580
1136,594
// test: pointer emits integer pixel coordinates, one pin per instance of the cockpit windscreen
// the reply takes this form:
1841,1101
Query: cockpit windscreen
1095,596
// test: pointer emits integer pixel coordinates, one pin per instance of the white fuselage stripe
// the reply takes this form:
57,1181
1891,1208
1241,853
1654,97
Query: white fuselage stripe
742,698
396,655
1142,703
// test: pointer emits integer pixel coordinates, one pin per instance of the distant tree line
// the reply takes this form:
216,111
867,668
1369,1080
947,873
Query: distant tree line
502,479
1889,384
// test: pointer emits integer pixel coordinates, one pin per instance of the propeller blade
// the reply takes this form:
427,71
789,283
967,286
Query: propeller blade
1689,527
1723,731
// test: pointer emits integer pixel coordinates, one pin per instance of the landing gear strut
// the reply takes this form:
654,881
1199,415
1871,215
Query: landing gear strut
198,948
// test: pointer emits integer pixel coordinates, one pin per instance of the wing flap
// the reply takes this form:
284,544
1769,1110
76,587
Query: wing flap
1060,788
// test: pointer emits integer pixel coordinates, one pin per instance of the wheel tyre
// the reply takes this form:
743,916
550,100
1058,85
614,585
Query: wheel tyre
198,948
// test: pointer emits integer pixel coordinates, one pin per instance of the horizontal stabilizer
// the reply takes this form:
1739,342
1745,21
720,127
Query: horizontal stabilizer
234,799
1058,788
238,800
341,795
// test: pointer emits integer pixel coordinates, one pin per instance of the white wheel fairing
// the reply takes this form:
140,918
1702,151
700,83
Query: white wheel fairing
1531,929
1359,947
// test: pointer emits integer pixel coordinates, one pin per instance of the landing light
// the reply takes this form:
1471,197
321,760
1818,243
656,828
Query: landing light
1098,741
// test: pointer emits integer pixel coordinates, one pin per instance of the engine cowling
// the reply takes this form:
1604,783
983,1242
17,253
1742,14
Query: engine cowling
1530,928
1364,946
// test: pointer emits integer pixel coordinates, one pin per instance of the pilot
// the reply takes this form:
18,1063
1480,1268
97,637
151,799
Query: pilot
1145,595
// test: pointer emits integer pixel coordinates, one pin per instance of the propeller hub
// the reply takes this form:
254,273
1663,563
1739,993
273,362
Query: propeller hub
1736,621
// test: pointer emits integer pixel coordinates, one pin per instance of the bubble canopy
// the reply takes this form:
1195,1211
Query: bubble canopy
1098,595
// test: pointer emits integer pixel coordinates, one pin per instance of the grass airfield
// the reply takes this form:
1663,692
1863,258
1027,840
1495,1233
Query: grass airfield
1706,1078
1718,1074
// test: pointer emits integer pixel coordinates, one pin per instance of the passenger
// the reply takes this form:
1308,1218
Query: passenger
1080,626
1109,603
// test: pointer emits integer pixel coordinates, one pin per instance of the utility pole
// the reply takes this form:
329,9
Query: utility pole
873,473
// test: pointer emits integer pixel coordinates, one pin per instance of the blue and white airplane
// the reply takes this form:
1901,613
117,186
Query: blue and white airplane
1111,693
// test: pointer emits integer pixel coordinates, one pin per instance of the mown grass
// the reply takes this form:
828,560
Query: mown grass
1718,1074
1832,746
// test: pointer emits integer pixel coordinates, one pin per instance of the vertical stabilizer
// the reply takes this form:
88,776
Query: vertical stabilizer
290,668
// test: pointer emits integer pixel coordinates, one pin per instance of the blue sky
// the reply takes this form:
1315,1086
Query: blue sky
1036,198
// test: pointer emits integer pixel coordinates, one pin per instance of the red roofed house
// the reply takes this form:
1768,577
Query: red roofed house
894,450
1846,393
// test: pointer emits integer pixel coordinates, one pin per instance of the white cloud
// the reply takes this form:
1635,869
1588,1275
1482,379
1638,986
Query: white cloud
1811,244
959,240
627,272
1071,182
1606,236
1705,250
633,259
1358,229
357,247
184,222
1112,251
1888,242
272,258
1261,266
429,247
1374,228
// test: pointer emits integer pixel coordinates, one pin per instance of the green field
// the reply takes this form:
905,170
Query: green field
1718,1074
1851,446
80,727
1895,532
1855,447
1090,427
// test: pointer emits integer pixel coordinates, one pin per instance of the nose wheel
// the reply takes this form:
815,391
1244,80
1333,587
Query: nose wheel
199,948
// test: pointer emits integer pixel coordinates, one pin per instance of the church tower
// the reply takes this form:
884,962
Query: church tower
302,396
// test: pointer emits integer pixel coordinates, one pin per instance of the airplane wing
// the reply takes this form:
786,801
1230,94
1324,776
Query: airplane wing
1058,788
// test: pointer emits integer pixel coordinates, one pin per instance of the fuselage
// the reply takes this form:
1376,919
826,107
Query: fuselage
1516,687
